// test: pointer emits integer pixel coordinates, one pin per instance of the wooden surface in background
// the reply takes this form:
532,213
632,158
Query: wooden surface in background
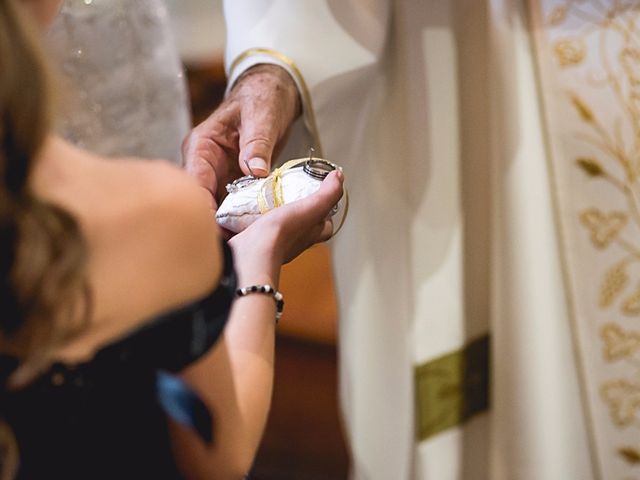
310,310
303,439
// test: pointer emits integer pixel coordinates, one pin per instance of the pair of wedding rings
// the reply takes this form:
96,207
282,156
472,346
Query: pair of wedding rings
317,168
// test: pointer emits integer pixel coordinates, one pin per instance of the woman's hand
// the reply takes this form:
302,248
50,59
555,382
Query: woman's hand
282,234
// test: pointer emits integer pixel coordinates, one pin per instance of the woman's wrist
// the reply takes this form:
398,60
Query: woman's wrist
253,266
257,278
260,280
266,290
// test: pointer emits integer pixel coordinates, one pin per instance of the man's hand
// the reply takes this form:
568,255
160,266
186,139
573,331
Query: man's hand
242,135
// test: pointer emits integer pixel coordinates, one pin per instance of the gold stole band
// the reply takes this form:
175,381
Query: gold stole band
452,388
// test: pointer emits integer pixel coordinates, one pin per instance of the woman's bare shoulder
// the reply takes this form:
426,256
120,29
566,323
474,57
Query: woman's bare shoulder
150,229
164,229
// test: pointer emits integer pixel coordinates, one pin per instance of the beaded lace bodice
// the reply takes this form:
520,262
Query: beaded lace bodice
123,84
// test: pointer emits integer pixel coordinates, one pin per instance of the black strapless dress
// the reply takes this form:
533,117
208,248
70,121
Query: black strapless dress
107,418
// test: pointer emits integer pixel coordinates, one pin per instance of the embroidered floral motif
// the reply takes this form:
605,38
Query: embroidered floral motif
595,49
619,344
590,166
570,51
604,227
557,15
630,454
623,397
583,110
631,305
615,280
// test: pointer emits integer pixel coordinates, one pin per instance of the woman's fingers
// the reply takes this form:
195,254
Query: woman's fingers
287,231
327,231
318,206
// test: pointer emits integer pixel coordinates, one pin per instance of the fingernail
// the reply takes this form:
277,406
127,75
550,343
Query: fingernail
258,163
340,175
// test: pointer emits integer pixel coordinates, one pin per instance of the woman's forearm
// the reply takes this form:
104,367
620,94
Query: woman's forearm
235,381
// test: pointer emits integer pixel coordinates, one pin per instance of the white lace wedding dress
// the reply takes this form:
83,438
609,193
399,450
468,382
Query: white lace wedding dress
123,86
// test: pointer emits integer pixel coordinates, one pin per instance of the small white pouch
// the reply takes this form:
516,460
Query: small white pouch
249,197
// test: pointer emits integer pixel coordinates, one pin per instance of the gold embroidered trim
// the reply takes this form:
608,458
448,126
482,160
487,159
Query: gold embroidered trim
451,389
307,104
604,227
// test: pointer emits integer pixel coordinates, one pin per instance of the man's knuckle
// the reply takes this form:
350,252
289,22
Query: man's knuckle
260,140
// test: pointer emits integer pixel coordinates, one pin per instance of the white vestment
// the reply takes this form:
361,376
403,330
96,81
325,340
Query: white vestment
123,88
433,108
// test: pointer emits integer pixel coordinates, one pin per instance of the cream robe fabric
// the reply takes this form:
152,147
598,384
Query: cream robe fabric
539,422
451,227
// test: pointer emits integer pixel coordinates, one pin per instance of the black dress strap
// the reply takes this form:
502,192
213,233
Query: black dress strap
174,340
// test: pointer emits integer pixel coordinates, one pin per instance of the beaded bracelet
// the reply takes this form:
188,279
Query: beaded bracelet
268,290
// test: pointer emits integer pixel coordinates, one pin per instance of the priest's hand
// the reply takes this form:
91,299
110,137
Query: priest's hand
245,132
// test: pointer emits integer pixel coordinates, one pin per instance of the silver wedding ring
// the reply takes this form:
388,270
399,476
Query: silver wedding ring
319,168
240,183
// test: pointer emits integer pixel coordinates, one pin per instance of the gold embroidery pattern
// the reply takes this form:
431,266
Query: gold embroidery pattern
570,51
618,343
614,282
604,227
602,37
623,397
631,305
